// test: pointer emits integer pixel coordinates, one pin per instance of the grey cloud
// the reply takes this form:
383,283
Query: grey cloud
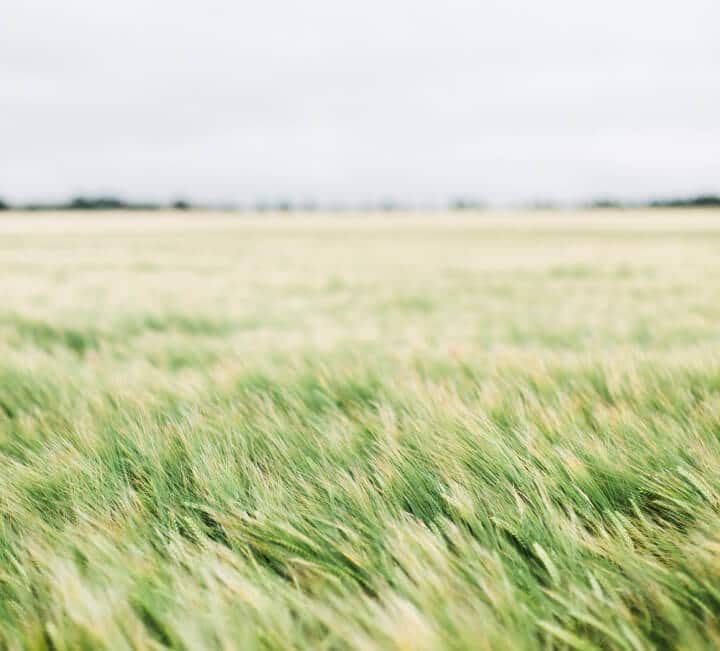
226,100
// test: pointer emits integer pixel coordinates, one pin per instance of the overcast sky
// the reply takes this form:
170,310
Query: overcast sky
420,100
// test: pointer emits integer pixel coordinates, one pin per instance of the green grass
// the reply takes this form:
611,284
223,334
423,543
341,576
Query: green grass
499,432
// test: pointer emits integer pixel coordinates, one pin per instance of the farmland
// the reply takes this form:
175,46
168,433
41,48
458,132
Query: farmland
460,431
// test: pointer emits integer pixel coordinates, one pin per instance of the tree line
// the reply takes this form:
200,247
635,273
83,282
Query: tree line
284,205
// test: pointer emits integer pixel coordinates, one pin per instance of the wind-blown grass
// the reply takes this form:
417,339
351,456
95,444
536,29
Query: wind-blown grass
488,433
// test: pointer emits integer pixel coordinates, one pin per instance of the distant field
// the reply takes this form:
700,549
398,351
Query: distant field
491,431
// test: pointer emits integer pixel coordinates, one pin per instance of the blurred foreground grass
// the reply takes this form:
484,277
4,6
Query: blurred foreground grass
488,432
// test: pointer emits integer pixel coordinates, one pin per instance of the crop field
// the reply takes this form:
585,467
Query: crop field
413,432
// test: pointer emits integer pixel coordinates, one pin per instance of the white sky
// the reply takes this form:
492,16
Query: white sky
422,101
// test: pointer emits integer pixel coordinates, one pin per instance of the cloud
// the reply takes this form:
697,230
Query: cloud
226,100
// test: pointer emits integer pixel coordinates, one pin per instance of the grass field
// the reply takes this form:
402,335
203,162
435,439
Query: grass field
361,432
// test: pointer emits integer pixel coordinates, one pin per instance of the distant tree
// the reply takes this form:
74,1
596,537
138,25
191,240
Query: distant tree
3,205
96,203
707,200
465,203
605,203
181,204
278,205
700,201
